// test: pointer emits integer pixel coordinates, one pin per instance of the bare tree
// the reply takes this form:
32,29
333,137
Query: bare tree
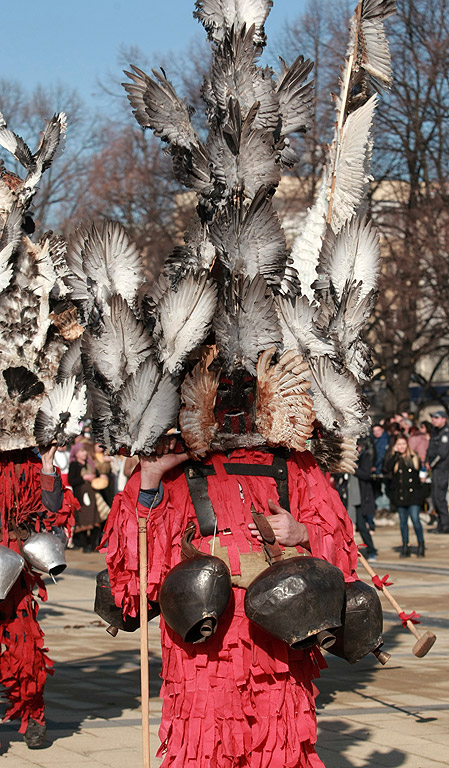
62,186
411,167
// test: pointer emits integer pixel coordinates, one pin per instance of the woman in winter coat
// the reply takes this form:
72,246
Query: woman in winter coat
82,471
406,491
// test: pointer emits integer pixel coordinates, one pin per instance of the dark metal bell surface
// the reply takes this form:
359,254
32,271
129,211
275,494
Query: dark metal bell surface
296,599
362,620
194,594
107,610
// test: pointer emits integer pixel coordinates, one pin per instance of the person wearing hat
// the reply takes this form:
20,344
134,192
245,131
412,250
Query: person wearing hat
438,462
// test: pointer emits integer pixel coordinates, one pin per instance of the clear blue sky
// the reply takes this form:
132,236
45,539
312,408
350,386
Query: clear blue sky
76,42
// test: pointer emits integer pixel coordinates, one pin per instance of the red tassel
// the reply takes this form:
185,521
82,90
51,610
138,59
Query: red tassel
381,583
413,617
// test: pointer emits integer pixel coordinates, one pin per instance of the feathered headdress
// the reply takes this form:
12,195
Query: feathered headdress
33,336
234,301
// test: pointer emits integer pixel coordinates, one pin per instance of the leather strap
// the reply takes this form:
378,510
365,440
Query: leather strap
272,550
196,475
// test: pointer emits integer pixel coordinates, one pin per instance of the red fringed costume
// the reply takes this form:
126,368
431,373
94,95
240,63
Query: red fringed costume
243,698
24,663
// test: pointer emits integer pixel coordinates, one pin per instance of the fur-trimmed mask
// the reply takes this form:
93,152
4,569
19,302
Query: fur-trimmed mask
223,412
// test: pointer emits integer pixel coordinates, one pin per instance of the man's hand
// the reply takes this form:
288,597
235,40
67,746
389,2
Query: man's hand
165,457
47,453
287,530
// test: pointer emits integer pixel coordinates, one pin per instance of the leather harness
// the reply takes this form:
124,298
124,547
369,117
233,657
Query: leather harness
196,475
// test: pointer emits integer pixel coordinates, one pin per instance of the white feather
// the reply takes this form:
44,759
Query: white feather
149,404
112,261
62,400
307,245
336,398
299,329
350,167
219,16
184,319
355,258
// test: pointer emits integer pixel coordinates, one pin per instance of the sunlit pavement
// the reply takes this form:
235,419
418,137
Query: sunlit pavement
368,715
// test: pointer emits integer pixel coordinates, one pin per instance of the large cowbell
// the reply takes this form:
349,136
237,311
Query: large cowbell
107,610
195,593
45,552
298,600
11,564
361,630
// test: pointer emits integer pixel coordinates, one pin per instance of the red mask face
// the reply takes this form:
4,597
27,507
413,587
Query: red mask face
234,407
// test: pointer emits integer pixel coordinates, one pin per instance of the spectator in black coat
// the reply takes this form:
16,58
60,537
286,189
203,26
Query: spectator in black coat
367,507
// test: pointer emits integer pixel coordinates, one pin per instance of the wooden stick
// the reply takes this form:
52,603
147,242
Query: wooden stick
144,658
426,640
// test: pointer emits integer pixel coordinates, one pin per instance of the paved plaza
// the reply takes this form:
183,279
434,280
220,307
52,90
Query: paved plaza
368,715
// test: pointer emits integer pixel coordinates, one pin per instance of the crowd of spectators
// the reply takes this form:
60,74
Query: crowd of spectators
403,468
95,478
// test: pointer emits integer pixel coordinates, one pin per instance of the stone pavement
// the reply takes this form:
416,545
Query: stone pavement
368,715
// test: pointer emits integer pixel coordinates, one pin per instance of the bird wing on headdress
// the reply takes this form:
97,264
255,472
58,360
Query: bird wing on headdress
103,261
43,157
373,55
196,417
335,453
295,96
353,257
157,106
184,317
251,241
22,384
235,76
148,406
284,414
306,248
345,326
219,16
60,413
247,325
70,364
337,399
300,332
119,346
242,157
112,261
9,241
350,164
349,267
15,145
101,410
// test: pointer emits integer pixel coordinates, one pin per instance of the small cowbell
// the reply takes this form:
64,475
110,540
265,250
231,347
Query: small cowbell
45,552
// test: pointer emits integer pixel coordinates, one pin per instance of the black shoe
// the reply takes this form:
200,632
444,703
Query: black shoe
35,735
421,549
405,551
440,530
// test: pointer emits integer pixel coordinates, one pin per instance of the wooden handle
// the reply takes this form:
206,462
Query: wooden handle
144,658
388,595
